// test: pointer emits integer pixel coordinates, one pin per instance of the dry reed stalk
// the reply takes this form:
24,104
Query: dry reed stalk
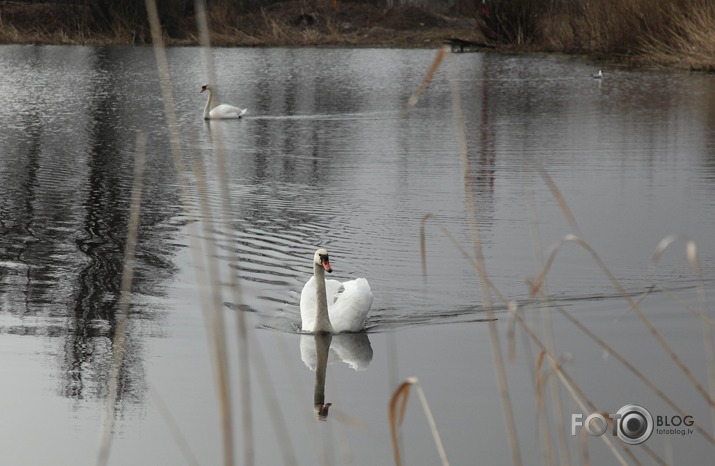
481,267
423,246
122,314
584,448
542,411
415,97
210,314
397,415
242,328
547,324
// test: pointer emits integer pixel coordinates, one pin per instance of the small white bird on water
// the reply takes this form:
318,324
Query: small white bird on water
221,111
598,75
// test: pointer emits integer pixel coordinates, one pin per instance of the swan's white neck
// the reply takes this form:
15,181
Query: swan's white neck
209,103
322,319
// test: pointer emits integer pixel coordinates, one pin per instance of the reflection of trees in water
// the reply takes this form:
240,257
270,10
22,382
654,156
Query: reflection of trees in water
63,215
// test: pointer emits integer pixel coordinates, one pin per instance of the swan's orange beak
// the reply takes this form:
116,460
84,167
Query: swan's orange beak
203,88
326,264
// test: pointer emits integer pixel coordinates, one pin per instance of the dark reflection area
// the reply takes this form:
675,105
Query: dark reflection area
709,150
65,186
481,169
319,350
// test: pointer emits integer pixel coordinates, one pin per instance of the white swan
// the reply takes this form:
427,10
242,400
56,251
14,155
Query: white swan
598,75
222,111
328,306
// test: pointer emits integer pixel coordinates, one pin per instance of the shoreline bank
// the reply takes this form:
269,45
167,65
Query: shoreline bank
350,25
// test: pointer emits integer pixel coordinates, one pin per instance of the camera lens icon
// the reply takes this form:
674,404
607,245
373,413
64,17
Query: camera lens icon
635,424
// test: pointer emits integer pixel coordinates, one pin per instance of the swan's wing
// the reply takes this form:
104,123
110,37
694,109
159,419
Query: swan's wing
332,291
227,111
349,311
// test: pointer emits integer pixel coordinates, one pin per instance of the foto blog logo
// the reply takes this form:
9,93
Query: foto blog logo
633,424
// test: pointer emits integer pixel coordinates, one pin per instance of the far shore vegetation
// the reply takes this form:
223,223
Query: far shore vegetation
678,33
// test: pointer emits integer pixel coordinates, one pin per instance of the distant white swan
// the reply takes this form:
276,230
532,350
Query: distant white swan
221,111
598,75
329,306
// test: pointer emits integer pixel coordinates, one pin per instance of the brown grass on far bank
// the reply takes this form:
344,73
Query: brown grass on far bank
673,33
280,24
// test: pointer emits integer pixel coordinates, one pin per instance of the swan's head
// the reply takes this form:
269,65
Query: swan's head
321,258
321,411
206,87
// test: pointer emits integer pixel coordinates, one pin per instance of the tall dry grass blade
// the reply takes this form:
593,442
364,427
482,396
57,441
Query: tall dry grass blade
584,448
415,97
122,314
548,328
423,245
556,193
511,335
217,321
633,305
242,328
482,276
540,379
209,313
397,415
173,427
542,412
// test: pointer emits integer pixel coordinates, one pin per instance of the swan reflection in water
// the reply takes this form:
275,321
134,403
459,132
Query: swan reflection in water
318,350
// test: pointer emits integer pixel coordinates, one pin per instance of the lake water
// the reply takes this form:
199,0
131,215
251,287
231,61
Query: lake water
326,157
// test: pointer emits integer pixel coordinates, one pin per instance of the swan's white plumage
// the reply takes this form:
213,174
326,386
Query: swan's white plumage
220,111
353,349
348,304
226,111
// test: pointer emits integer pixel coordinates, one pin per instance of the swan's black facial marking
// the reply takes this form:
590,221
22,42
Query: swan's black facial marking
325,260
203,88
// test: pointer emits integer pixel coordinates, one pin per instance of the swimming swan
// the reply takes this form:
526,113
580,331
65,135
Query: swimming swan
222,111
598,75
328,306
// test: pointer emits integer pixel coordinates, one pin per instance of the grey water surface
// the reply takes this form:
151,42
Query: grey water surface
327,157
